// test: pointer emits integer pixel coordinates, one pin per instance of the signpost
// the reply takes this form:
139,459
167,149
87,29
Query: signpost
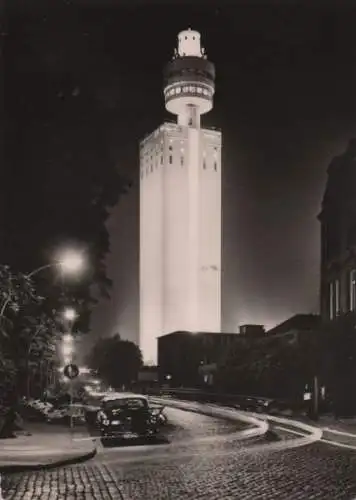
71,371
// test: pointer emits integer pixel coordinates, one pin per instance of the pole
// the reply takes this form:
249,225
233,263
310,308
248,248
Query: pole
315,397
71,403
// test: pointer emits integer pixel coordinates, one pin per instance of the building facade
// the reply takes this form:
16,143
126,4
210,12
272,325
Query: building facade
180,206
182,355
338,237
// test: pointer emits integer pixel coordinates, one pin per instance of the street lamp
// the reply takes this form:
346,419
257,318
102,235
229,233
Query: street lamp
70,262
70,314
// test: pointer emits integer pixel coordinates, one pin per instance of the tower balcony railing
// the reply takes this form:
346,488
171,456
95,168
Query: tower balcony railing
174,122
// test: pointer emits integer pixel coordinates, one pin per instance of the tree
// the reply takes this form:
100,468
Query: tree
16,292
116,361
29,330
269,366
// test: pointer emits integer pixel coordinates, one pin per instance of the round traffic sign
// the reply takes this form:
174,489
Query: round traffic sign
71,371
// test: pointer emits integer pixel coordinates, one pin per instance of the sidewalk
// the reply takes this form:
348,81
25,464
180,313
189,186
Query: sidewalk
48,445
341,431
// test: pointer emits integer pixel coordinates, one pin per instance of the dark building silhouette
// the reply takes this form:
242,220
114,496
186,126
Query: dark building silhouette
299,323
338,237
338,279
252,330
181,354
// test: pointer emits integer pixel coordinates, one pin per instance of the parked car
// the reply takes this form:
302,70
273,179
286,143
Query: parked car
128,415
63,413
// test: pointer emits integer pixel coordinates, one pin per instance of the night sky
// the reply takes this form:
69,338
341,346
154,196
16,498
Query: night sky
286,104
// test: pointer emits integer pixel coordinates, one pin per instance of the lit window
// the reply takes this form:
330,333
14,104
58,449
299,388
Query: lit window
331,300
191,89
337,297
353,290
205,92
185,89
178,90
170,159
200,90
194,89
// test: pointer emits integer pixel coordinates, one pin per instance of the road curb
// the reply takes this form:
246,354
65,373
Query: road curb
255,427
11,468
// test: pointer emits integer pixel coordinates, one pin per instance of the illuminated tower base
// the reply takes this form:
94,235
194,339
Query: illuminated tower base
180,207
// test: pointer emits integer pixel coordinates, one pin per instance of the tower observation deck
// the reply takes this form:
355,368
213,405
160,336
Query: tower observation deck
189,80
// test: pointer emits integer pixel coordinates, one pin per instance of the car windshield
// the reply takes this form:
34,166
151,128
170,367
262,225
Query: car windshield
125,403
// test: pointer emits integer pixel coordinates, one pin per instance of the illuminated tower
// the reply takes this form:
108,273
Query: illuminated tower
180,206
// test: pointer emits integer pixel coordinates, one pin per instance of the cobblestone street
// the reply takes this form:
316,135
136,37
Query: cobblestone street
315,471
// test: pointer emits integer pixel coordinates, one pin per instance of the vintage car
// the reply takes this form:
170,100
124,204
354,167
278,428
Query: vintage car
128,415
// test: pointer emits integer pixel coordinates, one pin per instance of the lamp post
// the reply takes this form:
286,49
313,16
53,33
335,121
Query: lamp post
70,262
70,315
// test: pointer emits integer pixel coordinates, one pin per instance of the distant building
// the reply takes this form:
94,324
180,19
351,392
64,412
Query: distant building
299,323
182,354
252,330
338,237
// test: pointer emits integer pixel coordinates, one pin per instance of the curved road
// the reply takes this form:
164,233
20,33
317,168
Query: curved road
193,468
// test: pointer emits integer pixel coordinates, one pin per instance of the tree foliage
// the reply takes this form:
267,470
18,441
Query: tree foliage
276,366
29,331
116,361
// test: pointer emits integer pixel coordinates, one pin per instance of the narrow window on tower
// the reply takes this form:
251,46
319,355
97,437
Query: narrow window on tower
170,159
151,167
215,166
204,160
161,159
181,161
